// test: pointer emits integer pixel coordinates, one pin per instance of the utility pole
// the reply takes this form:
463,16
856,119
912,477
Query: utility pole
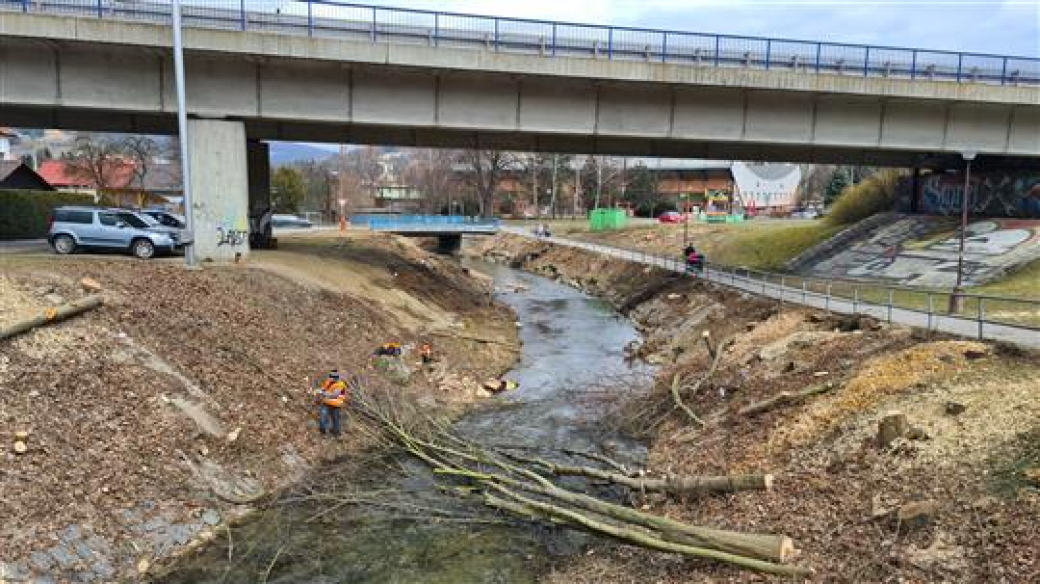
599,181
956,300
182,130
576,195
552,199
534,186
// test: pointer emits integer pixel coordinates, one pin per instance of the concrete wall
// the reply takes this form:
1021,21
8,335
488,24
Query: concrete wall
93,74
220,189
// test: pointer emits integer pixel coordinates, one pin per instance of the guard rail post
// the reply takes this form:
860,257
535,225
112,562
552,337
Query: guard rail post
373,35
664,47
866,62
310,18
890,305
931,310
804,292
827,300
100,9
980,314
855,299
436,28
783,286
913,64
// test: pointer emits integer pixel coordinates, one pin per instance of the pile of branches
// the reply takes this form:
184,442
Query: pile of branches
511,482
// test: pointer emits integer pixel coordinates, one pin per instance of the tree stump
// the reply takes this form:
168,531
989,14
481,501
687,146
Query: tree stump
891,427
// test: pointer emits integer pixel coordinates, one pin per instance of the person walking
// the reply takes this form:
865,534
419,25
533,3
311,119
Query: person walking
332,396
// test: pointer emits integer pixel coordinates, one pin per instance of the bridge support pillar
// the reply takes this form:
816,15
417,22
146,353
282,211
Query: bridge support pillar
450,243
220,189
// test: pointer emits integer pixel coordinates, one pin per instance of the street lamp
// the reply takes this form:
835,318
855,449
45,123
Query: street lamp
182,130
956,300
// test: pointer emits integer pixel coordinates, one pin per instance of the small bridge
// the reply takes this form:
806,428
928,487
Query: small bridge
448,229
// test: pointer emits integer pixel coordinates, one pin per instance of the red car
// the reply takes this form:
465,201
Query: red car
671,217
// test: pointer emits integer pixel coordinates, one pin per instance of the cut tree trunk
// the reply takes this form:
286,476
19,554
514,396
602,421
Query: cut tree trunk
51,315
783,398
634,536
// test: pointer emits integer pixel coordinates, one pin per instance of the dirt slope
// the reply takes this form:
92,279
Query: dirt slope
187,390
837,492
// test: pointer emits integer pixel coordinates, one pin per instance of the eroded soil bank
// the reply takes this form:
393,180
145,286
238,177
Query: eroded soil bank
955,500
153,417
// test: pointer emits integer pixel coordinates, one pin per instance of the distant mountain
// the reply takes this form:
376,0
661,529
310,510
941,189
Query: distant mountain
291,152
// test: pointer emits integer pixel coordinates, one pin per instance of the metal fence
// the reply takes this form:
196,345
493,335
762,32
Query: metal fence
361,22
978,315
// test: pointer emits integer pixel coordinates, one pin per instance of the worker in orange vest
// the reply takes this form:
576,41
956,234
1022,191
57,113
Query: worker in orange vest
332,396
426,353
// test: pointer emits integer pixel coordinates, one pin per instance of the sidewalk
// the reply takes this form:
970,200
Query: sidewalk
967,327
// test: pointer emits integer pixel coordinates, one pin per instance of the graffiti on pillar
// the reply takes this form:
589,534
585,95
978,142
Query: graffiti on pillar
993,194
232,237
923,251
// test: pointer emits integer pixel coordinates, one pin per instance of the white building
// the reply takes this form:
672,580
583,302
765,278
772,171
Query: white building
766,186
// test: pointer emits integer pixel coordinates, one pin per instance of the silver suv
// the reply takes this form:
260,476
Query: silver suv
91,227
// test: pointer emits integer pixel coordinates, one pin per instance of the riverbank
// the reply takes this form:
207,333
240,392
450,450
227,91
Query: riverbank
152,418
954,500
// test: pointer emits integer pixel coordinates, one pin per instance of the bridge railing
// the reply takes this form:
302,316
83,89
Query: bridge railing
432,223
362,22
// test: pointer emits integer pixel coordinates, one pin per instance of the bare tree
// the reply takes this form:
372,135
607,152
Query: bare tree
141,151
430,170
97,162
484,173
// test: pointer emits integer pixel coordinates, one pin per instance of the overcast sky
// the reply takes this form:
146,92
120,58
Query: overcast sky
1010,27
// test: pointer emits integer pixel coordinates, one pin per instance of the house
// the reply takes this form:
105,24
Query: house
6,137
161,183
14,175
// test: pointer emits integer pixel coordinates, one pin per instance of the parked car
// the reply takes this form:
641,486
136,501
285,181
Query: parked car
671,217
91,227
289,221
166,218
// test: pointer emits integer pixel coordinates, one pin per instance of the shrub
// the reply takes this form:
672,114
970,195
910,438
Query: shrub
875,194
24,214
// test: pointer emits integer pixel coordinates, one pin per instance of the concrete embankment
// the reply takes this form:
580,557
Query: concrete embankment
186,398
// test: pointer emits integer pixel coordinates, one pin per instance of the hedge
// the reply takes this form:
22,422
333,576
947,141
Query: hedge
24,214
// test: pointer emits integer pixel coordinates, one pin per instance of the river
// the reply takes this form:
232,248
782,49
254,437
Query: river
573,346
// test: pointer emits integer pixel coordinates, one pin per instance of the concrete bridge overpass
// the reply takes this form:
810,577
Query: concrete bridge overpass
348,73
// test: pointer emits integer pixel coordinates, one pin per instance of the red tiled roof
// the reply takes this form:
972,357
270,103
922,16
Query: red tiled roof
58,174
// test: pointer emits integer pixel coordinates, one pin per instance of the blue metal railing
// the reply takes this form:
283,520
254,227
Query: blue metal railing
425,222
327,18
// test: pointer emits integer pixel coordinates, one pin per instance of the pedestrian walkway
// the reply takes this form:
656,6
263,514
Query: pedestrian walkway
976,326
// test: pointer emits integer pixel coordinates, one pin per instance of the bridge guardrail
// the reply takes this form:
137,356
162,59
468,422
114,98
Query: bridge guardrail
329,18
980,315
432,222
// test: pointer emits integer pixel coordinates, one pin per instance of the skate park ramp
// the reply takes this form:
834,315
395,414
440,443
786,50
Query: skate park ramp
921,250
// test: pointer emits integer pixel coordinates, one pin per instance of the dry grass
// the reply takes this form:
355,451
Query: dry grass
874,195
878,380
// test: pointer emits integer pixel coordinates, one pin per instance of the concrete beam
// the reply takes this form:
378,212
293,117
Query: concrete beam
270,44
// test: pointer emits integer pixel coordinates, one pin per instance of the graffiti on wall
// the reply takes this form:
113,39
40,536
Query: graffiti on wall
231,236
923,251
993,194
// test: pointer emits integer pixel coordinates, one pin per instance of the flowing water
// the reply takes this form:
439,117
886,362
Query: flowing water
573,346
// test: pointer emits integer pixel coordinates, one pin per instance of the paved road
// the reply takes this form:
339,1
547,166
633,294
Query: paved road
967,327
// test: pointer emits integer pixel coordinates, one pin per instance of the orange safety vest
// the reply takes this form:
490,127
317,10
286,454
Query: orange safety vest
333,393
